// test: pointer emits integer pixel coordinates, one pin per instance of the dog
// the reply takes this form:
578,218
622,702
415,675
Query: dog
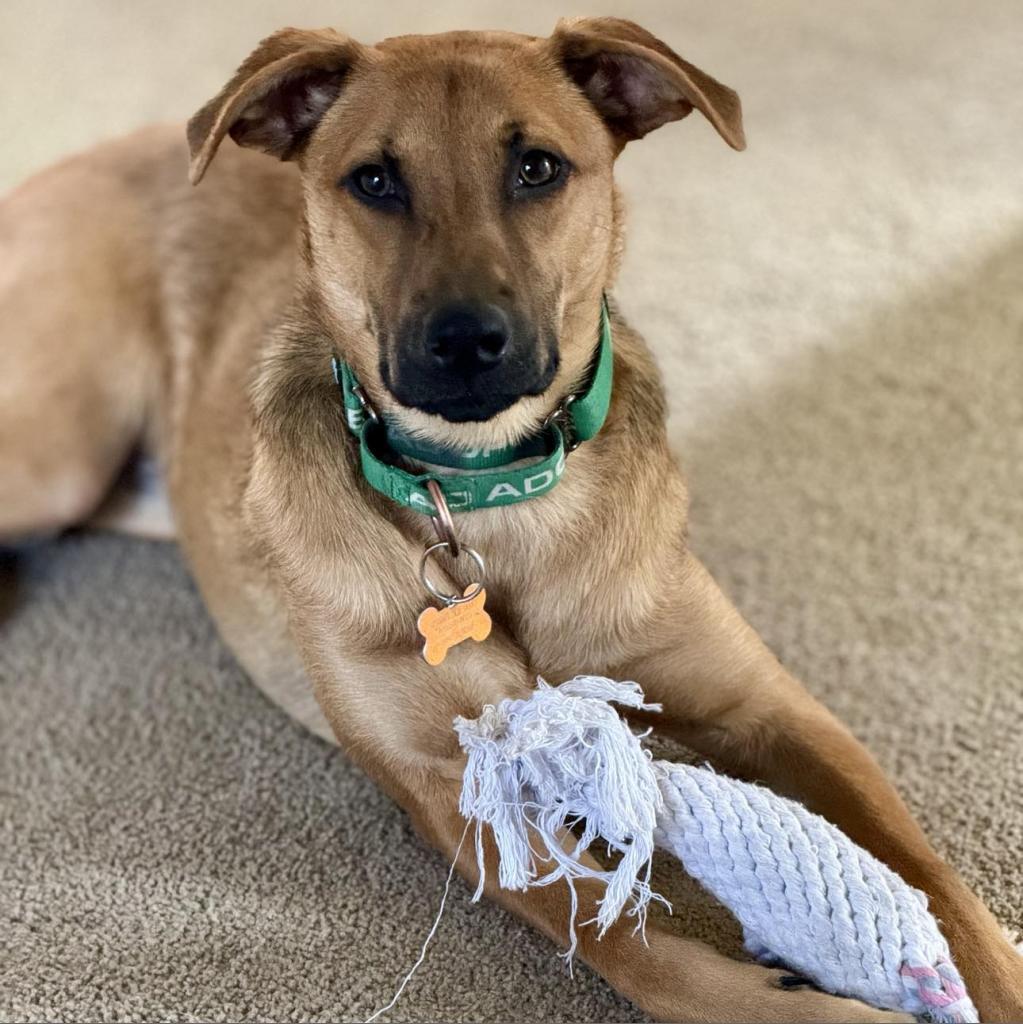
442,224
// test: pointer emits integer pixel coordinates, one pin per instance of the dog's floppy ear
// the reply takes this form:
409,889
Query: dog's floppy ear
276,98
637,83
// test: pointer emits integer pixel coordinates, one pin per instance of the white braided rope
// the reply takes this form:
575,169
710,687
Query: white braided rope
805,894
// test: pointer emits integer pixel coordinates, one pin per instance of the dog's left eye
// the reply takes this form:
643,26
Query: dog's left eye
537,168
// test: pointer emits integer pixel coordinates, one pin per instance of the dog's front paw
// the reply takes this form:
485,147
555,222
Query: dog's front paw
800,1001
677,979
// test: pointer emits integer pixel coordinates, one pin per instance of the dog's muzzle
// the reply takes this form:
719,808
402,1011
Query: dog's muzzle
469,361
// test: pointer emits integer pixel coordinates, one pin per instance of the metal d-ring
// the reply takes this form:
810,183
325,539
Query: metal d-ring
563,419
367,406
442,522
450,599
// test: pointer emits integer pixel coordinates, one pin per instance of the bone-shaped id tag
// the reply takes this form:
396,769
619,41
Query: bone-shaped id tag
444,628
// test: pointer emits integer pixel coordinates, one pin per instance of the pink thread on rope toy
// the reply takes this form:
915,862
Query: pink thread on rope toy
938,987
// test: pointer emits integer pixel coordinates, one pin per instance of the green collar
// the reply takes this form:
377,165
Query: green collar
495,477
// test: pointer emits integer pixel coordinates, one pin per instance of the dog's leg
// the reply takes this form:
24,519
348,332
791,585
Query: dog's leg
393,715
726,696
78,358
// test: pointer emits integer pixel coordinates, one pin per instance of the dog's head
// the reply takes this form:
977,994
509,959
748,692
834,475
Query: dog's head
459,205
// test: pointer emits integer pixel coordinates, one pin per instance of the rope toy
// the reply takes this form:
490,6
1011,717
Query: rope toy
806,896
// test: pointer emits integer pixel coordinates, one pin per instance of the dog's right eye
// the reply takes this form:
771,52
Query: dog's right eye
374,181
377,185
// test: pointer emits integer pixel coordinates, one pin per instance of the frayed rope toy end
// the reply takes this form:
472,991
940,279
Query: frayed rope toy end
806,895
539,766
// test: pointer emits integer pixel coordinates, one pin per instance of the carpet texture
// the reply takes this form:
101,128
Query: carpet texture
839,315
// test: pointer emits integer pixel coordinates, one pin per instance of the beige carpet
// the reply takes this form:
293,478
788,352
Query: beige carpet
839,312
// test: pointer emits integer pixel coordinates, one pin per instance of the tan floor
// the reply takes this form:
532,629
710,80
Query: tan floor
839,313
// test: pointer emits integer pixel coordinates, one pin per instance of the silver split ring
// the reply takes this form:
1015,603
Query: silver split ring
450,599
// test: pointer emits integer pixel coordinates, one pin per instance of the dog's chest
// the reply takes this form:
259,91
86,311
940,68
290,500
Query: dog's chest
565,624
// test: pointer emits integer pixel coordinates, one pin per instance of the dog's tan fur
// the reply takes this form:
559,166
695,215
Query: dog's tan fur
201,323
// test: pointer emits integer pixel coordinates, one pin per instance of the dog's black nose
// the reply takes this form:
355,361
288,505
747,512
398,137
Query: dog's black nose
468,339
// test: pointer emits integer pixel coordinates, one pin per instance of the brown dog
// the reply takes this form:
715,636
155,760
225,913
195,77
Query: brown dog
449,232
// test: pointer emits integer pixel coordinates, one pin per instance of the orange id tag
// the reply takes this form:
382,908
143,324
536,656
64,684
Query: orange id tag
444,628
